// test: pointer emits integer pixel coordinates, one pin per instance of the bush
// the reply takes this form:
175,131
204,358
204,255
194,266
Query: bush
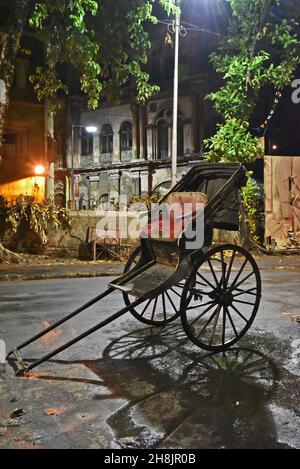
25,223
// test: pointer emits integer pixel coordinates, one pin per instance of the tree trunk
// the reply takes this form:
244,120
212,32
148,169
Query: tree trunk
10,38
8,257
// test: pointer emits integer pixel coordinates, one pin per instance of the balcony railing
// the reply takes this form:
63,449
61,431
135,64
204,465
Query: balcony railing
106,159
126,156
86,161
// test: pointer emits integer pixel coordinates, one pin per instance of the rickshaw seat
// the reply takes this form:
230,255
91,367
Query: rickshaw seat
177,211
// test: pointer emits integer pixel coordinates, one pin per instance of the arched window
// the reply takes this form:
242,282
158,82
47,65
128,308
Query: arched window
180,138
106,139
162,139
164,122
126,136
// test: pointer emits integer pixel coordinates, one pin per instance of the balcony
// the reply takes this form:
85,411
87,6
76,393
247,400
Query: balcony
106,159
86,161
126,156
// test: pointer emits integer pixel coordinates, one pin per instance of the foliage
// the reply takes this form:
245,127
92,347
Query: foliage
251,202
260,49
234,142
144,200
104,41
27,221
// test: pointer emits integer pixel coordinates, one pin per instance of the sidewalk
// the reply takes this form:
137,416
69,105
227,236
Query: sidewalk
40,268
59,270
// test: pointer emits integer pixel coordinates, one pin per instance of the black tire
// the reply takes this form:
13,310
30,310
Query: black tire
159,311
211,298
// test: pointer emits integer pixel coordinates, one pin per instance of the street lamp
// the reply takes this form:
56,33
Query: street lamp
177,28
91,129
39,170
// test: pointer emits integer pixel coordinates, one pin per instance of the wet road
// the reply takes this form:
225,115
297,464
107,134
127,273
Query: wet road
134,386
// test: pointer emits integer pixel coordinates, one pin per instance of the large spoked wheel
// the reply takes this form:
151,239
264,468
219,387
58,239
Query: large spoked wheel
221,298
159,311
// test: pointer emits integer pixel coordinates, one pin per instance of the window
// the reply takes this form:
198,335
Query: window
87,143
21,78
106,139
164,122
180,138
10,147
162,139
126,136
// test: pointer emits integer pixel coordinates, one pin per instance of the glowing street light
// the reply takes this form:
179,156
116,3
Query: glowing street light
91,129
39,170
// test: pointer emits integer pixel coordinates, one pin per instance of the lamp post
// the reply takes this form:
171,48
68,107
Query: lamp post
175,96
179,30
91,129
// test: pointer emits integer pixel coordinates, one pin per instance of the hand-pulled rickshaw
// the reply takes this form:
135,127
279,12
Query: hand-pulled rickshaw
215,291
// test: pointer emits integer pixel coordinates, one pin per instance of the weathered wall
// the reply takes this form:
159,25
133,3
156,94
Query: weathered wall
73,243
32,187
26,122
282,201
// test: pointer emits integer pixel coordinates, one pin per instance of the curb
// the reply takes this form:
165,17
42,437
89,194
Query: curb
16,278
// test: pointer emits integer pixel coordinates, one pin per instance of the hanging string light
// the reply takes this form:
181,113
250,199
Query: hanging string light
265,125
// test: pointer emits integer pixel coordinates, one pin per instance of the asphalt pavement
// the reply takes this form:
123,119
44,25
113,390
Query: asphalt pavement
130,385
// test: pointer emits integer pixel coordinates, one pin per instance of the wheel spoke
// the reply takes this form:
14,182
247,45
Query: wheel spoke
154,308
146,307
171,301
213,272
239,274
238,312
201,283
244,302
233,287
164,306
200,305
231,321
229,268
224,265
206,281
210,320
243,292
176,293
215,325
196,291
203,313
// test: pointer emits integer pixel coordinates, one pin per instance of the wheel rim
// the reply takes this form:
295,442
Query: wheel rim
221,298
159,311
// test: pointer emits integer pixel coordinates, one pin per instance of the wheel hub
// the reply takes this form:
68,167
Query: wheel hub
224,298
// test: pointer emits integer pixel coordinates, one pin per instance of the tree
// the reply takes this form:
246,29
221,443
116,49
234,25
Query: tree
104,41
260,49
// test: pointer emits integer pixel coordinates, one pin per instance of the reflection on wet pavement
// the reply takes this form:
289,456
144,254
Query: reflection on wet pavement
160,393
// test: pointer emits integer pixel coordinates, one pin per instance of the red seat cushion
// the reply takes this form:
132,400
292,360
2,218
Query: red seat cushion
175,213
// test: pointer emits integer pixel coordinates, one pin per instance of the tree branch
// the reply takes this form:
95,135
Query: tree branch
264,14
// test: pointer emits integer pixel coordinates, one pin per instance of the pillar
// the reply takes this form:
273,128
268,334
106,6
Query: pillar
143,147
135,132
